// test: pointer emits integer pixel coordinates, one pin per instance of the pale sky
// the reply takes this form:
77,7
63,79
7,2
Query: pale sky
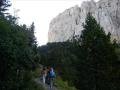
41,12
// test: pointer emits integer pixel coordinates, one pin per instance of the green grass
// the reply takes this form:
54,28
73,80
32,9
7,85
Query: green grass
34,86
63,85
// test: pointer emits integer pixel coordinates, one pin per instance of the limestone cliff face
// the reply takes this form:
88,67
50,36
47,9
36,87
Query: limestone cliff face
69,23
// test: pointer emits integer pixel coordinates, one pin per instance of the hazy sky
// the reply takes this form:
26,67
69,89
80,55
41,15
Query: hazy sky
41,12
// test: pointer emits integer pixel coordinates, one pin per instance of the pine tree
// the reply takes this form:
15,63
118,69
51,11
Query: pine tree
4,4
32,32
100,55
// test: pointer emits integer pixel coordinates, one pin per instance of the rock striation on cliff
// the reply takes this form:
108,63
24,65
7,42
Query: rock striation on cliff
69,23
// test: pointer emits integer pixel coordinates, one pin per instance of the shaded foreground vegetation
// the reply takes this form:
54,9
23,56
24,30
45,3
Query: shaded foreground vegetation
18,53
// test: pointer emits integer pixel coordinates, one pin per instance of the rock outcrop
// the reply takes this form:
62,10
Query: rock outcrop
69,23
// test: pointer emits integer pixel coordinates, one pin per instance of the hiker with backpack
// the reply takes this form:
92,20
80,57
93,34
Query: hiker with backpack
51,75
47,77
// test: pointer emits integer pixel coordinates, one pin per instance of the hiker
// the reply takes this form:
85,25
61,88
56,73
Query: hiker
51,77
47,77
44,74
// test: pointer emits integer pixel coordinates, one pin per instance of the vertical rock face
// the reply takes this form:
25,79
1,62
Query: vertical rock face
69,23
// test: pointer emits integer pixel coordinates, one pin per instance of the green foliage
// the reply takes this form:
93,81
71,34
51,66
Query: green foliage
63,58
37,71
100,55
118,52
4,4
29,83
63,85
18,55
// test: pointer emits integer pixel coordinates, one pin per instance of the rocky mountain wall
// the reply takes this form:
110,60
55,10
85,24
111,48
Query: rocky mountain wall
69,23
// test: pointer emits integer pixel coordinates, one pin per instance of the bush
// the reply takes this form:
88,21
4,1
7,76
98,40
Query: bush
63,85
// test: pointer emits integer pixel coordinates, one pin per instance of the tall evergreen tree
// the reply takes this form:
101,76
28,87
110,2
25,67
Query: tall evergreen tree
32,32
4,4
17,55
100,55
